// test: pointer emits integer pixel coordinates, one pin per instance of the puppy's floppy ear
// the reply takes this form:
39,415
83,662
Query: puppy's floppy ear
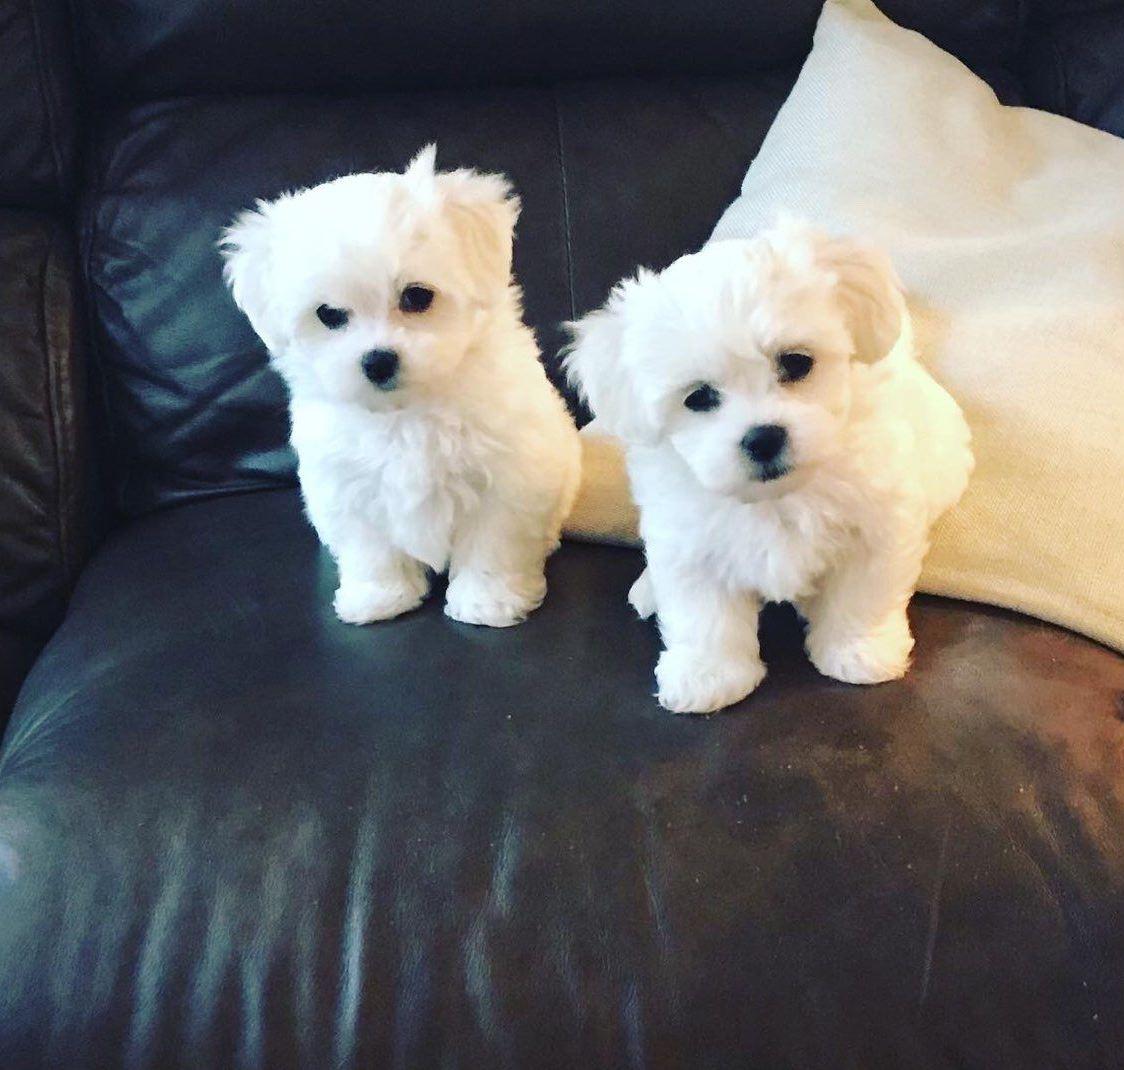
870,292
482,210
595,367
245,247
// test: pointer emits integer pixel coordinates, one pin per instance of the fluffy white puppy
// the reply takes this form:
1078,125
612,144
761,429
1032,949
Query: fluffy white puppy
427,434
781,447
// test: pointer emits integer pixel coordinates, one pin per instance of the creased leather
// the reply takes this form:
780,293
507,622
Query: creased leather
234,831
43,495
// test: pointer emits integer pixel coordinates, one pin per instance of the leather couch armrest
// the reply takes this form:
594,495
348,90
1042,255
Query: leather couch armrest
44,492
38,103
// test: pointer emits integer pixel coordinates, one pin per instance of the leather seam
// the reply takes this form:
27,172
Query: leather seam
45,97
58,422
565,205
94,353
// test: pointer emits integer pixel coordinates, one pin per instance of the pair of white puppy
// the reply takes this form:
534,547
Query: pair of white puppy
783,443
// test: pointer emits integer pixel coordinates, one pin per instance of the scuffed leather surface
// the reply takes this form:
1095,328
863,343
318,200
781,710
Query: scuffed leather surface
1074,63
42,423
236,832
148,48
37,102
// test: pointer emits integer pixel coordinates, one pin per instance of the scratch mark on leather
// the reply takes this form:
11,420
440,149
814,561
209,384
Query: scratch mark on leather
632,1016
935,913
151,980
505,865
565,206
357,914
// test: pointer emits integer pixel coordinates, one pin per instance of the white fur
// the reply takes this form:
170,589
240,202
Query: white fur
471,462
877,451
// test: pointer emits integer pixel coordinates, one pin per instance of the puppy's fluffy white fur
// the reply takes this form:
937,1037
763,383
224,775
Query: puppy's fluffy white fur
464,457
838,520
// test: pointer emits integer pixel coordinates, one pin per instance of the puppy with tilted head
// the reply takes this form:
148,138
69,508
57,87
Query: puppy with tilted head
427,434
783,444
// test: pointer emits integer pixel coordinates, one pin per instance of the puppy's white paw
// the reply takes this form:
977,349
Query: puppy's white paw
642,596
366,601
872,658
694,681
493,601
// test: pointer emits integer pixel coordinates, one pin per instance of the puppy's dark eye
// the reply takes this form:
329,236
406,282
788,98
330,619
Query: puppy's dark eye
332,318
792,367
415,298
703,398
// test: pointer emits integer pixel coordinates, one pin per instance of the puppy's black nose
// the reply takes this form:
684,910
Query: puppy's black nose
764,443
381,367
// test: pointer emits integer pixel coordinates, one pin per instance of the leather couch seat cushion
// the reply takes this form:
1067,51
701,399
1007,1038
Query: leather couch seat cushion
234,829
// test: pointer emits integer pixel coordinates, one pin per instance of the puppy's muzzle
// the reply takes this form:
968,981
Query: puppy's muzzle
764,445
380,366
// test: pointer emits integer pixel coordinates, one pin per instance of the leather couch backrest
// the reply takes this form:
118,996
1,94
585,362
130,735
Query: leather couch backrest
152,48
1074,60
204,105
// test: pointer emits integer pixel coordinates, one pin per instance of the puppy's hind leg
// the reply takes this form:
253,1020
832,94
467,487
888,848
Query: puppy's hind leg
642,596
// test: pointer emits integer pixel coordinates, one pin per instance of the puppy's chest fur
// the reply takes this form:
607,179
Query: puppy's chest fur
413,476
780,550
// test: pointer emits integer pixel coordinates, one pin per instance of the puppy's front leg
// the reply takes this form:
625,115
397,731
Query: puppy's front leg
377,581
858,631
496,569
712,658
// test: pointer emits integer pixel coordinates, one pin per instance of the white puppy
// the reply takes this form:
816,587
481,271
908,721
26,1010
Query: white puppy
778,450
426,431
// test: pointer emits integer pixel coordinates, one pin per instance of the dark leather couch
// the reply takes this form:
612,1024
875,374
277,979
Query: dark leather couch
234,832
